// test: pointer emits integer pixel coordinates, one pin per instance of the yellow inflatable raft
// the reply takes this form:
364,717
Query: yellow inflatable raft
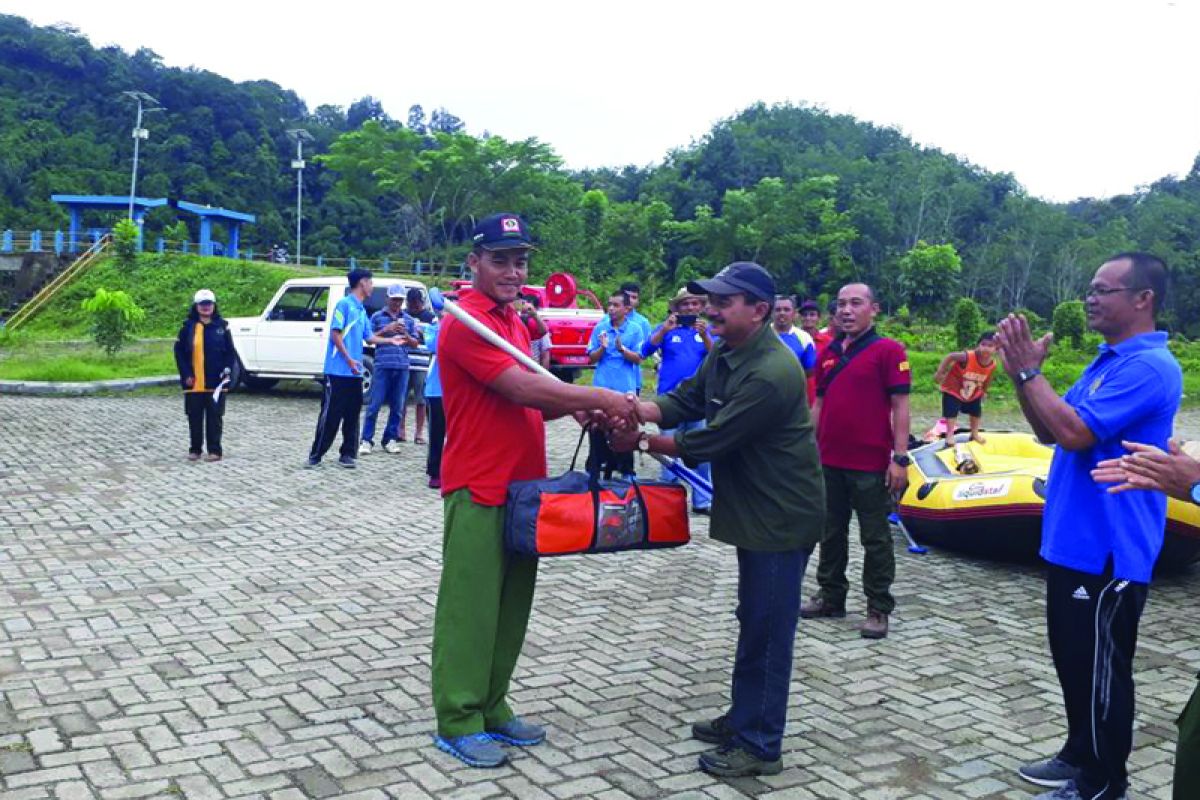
987,499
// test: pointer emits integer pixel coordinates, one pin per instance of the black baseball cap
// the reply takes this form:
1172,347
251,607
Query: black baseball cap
740,277
810,305
502,232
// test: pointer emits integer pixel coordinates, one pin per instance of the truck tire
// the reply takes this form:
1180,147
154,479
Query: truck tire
253,383
565,374
368,373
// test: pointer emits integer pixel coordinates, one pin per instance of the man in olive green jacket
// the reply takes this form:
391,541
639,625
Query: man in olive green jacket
768,501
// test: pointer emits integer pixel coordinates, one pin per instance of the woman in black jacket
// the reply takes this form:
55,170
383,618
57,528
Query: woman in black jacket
204,355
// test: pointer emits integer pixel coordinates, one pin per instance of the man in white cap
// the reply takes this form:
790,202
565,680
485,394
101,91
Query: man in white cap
389,381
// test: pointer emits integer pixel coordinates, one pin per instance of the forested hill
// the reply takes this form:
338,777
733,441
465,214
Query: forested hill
65,128
817,198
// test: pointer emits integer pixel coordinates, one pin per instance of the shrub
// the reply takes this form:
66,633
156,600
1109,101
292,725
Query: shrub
968,322
125,242
114,316
1069,323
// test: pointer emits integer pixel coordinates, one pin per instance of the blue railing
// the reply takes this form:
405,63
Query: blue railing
57,242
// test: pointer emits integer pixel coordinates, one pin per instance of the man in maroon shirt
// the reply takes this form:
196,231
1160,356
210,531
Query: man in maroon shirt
495,434
863,381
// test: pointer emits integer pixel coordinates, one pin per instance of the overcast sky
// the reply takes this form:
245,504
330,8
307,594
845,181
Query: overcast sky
1074,98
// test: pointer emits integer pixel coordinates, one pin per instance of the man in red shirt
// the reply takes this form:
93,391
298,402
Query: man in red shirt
495,434
810,323
862,414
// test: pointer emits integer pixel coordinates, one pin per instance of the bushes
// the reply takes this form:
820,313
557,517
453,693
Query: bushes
1069,323
114,316
163,285
968,322
125,242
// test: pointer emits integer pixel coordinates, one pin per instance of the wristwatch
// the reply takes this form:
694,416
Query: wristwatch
1026,375
1196,493
644,443
901,459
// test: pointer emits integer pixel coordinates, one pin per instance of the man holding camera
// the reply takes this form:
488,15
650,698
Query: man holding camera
684,341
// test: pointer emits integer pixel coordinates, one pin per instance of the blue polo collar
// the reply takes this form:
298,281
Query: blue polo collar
1136,344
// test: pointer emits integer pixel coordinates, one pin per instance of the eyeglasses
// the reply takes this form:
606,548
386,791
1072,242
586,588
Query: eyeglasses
1098,291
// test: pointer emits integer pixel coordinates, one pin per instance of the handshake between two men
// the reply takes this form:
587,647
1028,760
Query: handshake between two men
621,417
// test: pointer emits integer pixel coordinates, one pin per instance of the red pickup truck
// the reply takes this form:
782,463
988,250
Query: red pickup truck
570,313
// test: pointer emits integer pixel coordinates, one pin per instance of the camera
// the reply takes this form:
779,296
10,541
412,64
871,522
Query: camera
686,320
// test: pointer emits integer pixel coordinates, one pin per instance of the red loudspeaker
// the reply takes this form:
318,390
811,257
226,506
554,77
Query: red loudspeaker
560,290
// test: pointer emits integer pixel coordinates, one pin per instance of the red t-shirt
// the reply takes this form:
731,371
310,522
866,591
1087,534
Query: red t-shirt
855,427
490,441
821,340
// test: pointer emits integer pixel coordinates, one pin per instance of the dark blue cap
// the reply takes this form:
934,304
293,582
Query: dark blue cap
740,277
502,232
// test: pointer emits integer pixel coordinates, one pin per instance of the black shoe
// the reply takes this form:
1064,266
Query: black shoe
347,462
714,731
734,762
312,463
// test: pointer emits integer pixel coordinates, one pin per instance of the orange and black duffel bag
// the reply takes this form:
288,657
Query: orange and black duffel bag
577,512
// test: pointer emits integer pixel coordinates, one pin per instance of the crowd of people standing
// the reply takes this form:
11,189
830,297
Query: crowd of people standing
731,400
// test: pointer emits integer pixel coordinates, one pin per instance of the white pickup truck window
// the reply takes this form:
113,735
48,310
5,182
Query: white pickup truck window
300,304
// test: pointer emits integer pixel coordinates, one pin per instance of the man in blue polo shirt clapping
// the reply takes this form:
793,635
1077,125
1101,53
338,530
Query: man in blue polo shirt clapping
684,342
1100,547
616,349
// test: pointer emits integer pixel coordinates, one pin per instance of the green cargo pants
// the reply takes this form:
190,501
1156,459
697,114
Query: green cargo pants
1187,751
483,605
846,491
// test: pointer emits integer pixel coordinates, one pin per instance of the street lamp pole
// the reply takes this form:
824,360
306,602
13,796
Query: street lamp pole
139,133
300,136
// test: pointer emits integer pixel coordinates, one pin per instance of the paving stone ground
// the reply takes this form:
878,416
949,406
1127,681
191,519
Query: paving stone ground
252,629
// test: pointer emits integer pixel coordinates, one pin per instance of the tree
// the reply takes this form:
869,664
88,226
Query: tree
968,322
442,121
1069,323
125,242
366,109
114,318
929,274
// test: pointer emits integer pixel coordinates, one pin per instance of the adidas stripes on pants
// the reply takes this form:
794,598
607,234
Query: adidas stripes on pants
1092,623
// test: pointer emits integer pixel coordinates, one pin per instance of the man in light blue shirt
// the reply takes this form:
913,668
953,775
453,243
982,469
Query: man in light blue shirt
783,320
684,342
341,401
634,293
1100,547
616,349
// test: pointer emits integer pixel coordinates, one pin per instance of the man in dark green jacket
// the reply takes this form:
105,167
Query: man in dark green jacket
768,500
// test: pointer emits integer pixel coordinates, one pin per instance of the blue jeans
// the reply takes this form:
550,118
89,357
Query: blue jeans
388,385
700,498
767,612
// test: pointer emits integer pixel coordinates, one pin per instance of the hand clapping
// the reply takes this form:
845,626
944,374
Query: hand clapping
1019,351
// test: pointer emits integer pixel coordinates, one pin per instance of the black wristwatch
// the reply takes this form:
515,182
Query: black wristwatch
901,459
1026,375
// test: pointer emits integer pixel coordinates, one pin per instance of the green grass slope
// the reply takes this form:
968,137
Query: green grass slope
163,285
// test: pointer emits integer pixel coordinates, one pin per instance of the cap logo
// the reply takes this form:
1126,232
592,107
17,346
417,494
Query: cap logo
510,225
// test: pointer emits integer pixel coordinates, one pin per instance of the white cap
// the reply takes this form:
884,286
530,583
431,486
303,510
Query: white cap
397,290
204,296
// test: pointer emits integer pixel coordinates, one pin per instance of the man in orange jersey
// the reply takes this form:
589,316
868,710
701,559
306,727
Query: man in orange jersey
964,378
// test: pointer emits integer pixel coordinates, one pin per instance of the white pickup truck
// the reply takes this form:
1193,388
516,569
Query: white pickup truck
289,339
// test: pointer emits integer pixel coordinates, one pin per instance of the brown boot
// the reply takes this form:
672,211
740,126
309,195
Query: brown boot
876,626
820,607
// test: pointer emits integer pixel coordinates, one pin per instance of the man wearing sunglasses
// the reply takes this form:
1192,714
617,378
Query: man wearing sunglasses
1100,547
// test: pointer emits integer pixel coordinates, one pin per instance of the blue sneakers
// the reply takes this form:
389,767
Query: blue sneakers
475,750
519,732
